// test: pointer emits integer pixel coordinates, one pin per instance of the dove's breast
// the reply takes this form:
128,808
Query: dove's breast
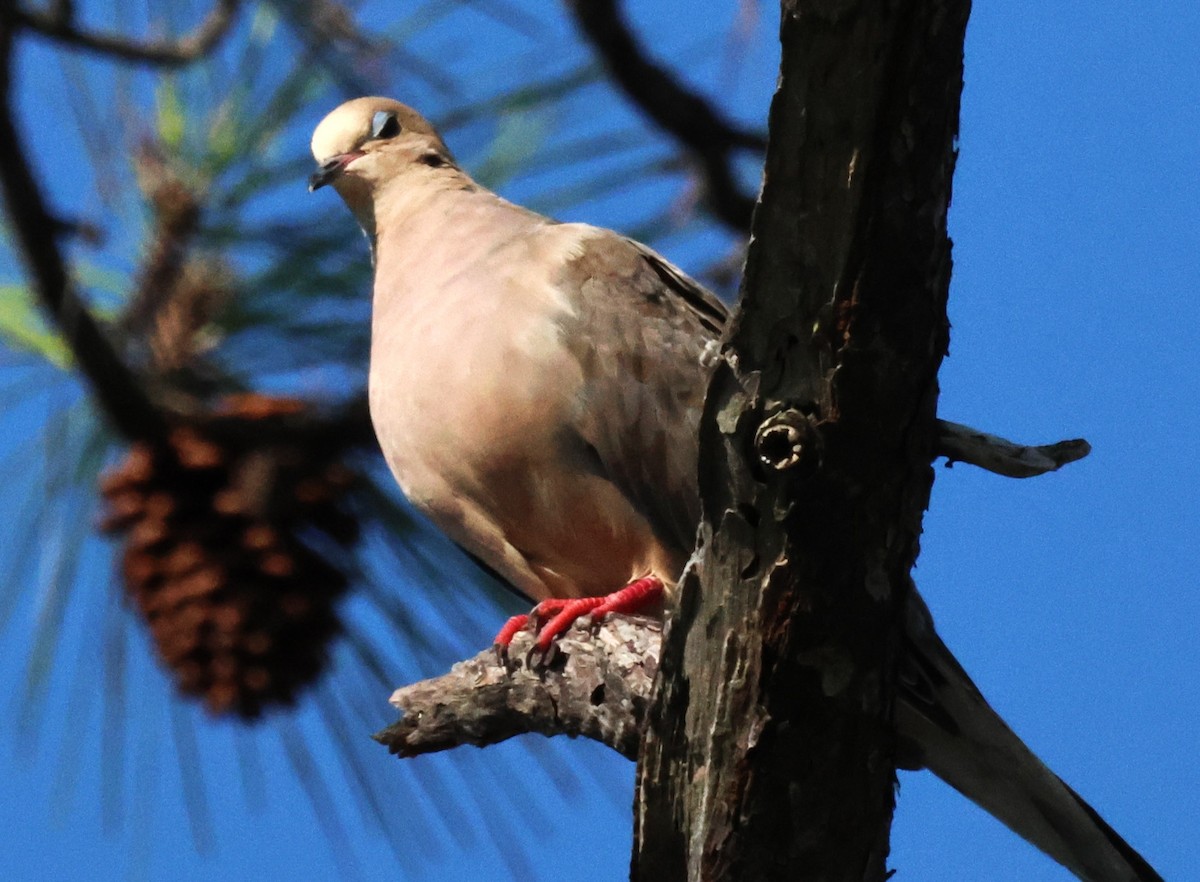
472,395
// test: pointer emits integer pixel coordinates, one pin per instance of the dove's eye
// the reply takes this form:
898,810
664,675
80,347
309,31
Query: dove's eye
384,125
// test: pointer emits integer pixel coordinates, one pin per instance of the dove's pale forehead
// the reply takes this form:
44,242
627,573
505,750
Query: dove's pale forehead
348,126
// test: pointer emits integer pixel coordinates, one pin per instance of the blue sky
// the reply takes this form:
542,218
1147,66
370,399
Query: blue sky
1069,598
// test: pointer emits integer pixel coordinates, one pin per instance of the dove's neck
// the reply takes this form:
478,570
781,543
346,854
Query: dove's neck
433,228
427,196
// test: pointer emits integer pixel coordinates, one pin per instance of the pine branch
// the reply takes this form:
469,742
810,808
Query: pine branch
37,233
684,114
57,22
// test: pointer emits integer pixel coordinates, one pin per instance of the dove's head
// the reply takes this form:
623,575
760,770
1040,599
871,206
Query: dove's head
369,142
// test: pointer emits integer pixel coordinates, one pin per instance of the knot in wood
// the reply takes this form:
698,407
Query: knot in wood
785,440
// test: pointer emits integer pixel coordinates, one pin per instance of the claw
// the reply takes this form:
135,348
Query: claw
541,656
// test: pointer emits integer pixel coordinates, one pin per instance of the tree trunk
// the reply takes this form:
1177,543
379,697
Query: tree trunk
769,750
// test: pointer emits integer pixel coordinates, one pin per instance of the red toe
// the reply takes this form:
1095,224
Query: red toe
570,612
633,597
550,607
510,629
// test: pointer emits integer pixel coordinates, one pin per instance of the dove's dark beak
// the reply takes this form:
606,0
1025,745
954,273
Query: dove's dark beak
330,169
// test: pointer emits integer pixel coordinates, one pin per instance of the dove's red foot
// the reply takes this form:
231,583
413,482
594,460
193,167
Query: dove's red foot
637,595
510,629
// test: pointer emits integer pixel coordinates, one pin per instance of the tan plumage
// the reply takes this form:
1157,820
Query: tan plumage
500,419
536,388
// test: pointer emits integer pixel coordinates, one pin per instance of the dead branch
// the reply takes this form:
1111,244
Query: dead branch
596,683
959,443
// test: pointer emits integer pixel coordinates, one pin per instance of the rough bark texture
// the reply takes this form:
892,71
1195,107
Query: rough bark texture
769,753
596,682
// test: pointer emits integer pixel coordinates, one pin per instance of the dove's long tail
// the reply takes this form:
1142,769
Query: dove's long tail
945,725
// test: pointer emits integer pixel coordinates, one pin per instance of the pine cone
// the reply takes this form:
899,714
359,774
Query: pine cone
241,607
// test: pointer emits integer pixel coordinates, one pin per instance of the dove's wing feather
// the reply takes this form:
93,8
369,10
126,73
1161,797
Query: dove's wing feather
643,334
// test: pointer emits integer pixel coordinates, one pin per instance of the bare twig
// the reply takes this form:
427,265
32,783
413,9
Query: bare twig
57,23
596,684
687,116
35,230
959,443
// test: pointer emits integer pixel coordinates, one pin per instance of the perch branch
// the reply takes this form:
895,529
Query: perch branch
596,684
959,443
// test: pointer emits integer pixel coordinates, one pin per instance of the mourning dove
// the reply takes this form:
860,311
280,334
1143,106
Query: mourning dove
536,388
